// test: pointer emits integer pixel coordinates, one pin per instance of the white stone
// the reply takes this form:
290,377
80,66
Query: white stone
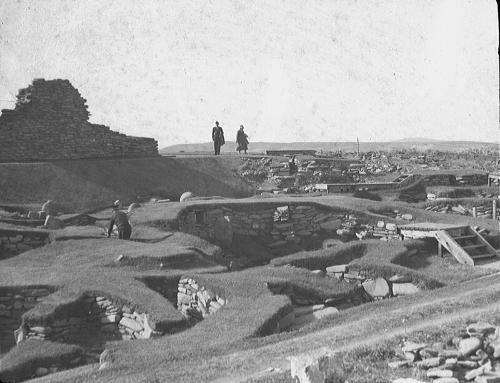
469,346
407,217
337,269
377,287
131,324
312,367
404,289
390,226
185,196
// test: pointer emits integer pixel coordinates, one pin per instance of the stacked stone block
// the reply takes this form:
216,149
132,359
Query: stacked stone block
13,242
104,321
304,221
14,302
50,121
196,302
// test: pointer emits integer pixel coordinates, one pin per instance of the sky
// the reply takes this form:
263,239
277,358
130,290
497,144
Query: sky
294,70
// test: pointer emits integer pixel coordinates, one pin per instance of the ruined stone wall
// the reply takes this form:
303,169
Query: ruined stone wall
13,303
102,321
13,242
50,122
221,223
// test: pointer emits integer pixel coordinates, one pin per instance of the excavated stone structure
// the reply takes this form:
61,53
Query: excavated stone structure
50,122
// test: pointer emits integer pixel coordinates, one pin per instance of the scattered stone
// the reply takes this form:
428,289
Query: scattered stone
407,217
407,380
446,380
313,367
480,328
338,269
377,288
429,363
404,289
439,373
469,346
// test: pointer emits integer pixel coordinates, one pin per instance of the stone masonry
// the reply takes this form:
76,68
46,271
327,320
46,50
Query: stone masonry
50,122
13,241
222,222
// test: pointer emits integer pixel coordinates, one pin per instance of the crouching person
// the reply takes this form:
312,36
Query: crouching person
120,219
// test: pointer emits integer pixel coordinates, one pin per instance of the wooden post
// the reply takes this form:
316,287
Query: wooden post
440,250
489,180
494,214
474,212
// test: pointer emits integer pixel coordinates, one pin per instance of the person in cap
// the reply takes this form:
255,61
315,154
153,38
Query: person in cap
242,140
217,137
120,219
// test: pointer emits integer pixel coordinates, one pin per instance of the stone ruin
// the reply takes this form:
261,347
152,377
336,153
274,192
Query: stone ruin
50,122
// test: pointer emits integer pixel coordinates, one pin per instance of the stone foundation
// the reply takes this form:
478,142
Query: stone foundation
103,321
259,220
13,242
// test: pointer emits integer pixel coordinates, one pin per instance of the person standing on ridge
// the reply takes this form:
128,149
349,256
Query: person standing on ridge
241,140
217,138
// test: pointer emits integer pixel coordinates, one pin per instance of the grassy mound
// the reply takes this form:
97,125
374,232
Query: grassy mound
88,184
22,361
415,259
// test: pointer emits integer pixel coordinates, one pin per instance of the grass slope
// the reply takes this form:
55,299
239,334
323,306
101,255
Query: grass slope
88,184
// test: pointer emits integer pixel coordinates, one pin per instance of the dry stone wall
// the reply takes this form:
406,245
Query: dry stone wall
50,122
14,302
223,222
13,242
103,321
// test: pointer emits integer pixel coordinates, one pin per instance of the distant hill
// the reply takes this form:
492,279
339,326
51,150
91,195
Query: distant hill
407,143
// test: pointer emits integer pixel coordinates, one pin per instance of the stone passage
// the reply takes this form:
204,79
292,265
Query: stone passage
50,122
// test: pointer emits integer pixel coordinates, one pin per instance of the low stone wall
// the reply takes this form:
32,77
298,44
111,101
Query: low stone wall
223,222
195,302
13,241
14,302
103,321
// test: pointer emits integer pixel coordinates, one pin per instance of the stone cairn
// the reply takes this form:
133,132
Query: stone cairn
196,302
472,356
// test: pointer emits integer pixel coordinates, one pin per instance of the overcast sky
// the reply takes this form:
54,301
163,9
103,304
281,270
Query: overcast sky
294,70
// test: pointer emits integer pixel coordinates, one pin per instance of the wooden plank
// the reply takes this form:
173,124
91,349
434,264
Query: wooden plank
490,248
454,248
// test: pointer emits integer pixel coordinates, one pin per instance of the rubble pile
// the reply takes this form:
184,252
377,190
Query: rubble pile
472,356
195,302
482,209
